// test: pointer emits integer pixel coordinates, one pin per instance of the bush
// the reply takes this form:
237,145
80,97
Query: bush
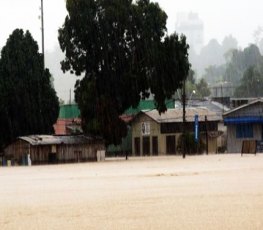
191,146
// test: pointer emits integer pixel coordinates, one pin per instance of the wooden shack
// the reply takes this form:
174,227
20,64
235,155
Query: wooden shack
46,149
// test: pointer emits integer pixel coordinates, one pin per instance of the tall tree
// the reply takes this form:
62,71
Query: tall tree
202,88
240,61
251,83
123,51
229,43
29,104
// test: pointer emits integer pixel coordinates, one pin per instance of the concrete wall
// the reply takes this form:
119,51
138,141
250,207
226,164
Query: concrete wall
155,131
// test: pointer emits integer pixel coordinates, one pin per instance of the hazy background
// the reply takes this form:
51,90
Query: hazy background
220,19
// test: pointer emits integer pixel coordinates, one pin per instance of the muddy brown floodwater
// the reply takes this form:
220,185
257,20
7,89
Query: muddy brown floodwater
199,192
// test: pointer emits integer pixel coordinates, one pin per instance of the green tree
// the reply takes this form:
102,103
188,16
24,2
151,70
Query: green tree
252,83
123,51
240,61
191,76
214,74
229,43
202,88
28,102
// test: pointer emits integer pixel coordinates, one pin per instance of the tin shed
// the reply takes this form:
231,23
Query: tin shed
45,149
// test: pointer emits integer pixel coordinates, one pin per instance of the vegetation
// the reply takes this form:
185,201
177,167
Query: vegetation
202,88
243,68
28,102
196,89
123,51
191,146
240,61
252,83
214,54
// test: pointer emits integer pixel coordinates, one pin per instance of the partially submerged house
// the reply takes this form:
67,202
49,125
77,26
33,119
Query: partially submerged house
244,123
125,148
158,134
44,149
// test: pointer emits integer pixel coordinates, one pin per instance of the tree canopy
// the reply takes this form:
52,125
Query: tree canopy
123,51
251,83
240,61
28,102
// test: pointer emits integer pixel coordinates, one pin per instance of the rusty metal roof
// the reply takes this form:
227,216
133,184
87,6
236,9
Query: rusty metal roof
57,140
176,115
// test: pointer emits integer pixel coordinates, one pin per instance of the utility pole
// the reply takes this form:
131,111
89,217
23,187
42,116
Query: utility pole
206,135
184,120
42,31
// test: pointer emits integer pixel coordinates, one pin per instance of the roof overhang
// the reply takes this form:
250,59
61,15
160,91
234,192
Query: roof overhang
243,120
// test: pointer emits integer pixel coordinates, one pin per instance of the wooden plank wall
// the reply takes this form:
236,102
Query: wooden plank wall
64,153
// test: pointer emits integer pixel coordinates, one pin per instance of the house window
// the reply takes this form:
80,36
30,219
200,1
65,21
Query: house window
145,128
170,144
155,145
244,131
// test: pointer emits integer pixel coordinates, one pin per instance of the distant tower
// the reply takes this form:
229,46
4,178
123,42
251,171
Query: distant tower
192,27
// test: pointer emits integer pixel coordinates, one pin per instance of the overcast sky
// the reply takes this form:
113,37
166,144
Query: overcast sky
220,17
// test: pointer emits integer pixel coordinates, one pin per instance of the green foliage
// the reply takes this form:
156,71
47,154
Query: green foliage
252,83
240,61
28,103
229,43
122,49
191,146
202,88
191,76
214,74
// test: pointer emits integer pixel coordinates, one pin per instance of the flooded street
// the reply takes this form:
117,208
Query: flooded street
199,192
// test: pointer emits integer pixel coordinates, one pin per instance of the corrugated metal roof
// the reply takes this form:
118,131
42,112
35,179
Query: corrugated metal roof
56,140
243,106
176,115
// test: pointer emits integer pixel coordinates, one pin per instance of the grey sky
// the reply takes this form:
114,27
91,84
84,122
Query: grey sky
221,17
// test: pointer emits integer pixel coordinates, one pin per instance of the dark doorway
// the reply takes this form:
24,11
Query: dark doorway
170,145
146,145
52,158
155,145
137,146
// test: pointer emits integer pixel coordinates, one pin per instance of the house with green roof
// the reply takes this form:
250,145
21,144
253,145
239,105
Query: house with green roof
126,146
68,121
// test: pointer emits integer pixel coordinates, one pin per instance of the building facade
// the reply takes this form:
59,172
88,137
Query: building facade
155,134
244,123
